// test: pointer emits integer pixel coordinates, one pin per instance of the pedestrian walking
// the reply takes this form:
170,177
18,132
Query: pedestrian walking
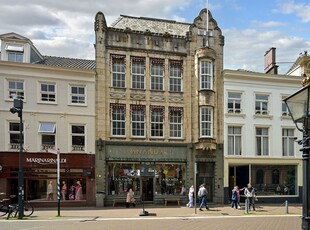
249,192
234,198
202,194
191,192
130,200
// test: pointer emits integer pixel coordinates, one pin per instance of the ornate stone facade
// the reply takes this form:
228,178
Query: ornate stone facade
195,52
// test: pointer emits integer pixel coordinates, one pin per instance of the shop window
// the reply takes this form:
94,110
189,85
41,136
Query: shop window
170,179
78,137
120,175
46,189
47,131
274,180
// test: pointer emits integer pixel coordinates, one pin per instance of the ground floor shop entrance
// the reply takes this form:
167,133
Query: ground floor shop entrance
147,188
40,178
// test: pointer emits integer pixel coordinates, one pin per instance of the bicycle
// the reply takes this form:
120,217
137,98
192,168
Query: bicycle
4,205
14,209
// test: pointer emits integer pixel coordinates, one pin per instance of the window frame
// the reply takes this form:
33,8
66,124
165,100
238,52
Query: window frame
157,73
81,97
157,121
14,56
138,112
137,73
285,111
205,75
261,103
262,140
206,124
118,126
15,144
76,135
234,102
47,130
20,93
288,142
176,123
175,76
236,137
118,71
51,95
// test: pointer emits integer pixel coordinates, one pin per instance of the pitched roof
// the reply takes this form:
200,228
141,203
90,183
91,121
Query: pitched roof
154,25
68,62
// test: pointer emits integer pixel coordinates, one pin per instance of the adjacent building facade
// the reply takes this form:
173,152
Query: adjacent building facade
159,107
259,136
58,97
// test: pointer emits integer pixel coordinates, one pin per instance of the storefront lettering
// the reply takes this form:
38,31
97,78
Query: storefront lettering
143,152
45,161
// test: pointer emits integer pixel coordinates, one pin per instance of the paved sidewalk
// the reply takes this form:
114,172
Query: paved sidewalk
160,211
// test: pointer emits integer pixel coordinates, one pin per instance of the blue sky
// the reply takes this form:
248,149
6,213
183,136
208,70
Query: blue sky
65,28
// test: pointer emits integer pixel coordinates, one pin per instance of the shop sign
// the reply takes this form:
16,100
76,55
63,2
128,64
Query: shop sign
45,161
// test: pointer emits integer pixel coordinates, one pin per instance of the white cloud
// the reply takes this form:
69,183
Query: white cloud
245,49
300,9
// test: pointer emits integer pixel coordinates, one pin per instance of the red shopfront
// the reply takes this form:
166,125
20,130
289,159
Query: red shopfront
40,170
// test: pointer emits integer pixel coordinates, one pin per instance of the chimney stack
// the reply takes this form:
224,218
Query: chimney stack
270,61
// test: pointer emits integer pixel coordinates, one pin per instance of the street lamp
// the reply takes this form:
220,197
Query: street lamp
18,108
298,105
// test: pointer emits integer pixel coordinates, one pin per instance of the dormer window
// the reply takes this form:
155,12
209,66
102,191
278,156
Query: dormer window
15,53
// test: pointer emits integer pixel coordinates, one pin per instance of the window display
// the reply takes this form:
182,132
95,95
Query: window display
274,180
122,174
169,178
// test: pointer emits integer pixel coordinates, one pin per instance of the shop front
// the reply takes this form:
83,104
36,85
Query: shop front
155,171
40,178
274,182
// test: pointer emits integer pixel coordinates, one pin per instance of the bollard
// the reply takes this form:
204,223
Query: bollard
246,206
286,207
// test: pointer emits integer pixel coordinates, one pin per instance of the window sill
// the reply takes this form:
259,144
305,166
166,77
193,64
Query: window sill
235,115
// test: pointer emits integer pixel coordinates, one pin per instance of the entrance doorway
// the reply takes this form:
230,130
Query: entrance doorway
147,188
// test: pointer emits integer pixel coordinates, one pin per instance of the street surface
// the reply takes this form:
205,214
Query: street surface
162,223
171,217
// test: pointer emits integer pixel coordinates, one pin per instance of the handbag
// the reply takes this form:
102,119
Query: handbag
133,200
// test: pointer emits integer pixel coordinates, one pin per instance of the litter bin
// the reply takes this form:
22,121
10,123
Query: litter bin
100,199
